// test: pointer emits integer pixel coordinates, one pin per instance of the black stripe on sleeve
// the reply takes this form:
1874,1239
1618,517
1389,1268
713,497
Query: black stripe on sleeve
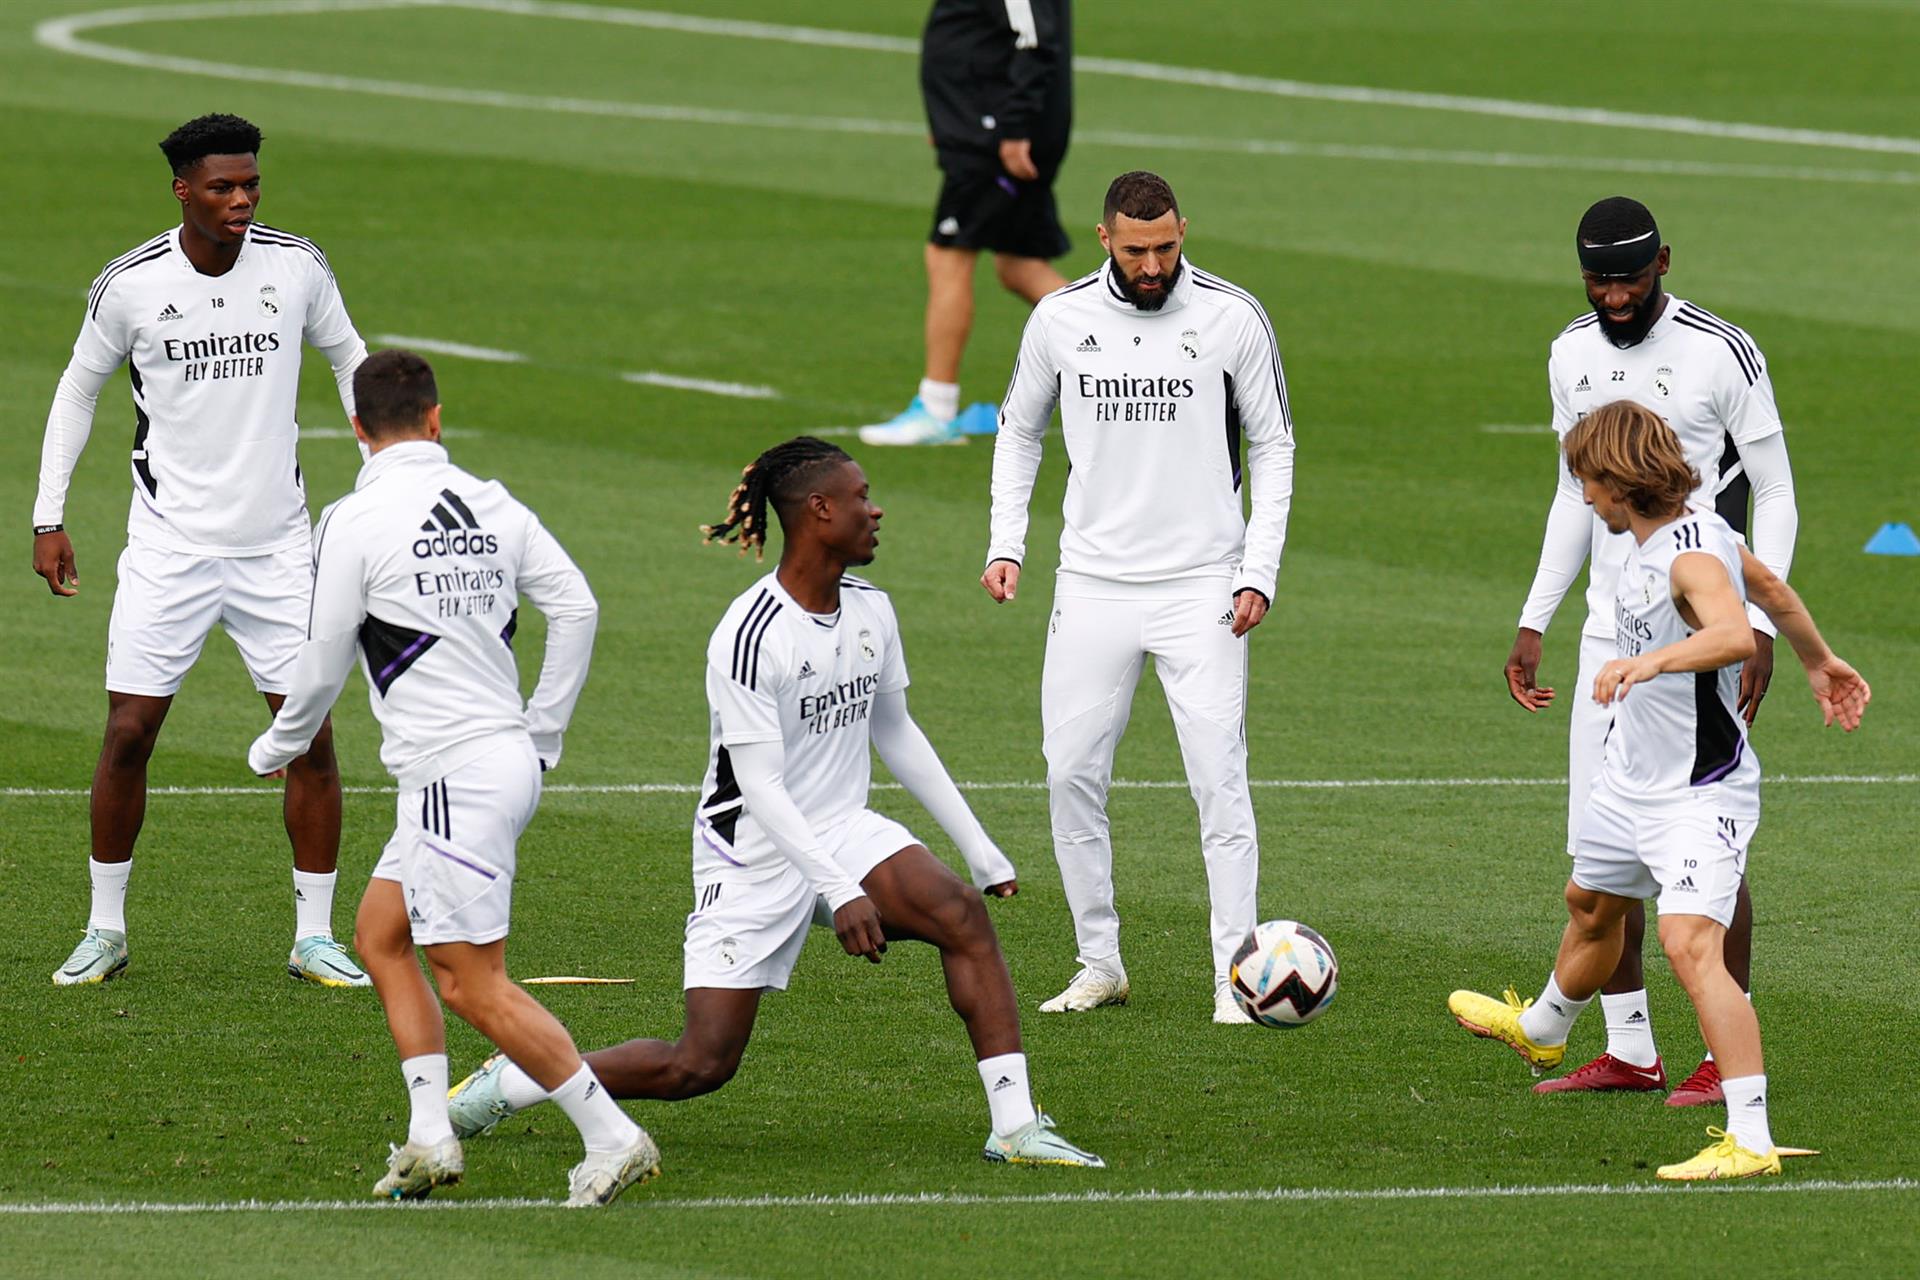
1751,371
752,663
740,636
108,276
287,240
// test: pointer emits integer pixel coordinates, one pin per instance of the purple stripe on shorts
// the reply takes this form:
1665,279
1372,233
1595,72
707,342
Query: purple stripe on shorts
1727,768
450,856
715,845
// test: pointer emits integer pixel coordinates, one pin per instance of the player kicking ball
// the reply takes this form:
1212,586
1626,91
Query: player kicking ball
805,675
420,570
1678,795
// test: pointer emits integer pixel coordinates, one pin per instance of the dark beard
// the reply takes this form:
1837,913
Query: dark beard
1147,301
1633,331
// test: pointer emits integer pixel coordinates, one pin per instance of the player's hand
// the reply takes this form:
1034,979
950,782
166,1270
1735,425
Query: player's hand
1016,157
857,925
1756,673
1842,694
53,560
1001,579
1621,675
1249,606
1523,665
1005,889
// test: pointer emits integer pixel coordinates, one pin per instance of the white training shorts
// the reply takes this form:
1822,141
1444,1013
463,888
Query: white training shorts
1587,724
747,934
168,601
453,843
1689,853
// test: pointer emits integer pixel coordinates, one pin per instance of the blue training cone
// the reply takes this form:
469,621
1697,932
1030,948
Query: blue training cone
1894,540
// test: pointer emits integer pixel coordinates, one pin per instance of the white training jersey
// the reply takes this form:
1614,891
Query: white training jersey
1680,731
1154,406
422,569
1705,377
214,363
776,673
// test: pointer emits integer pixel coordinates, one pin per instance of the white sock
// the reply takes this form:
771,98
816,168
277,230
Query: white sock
603,1126
1009,1100
942,399
1629,1028
1747,1112
313,904
1551,1016
426,1078
109,894
520,1089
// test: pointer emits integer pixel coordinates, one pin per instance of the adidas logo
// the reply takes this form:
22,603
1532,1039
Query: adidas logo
1004,1082
1636,1016
452,534
170,313
806,671
1226,619
1685,885
1091,344
416,1082
1760,1101
413,914
1583,384
298,895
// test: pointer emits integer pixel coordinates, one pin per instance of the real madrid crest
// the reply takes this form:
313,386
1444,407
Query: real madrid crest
269,304
866,645
1663,381
1190,343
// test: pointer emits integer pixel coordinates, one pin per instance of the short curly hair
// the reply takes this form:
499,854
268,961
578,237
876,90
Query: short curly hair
209,135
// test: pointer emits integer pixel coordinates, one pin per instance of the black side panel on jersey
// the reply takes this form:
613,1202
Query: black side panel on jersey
1233,431
141,425
1716,738
391,650
722,808
1730,504
513,625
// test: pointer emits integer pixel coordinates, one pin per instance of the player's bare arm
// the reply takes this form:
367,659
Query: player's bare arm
1706,599
1839,689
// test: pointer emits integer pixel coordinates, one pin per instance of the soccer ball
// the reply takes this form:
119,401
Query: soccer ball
1284,975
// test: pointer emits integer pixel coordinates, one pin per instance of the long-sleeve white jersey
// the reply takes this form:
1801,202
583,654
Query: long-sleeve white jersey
421,569
1708,380
214,365
1154,405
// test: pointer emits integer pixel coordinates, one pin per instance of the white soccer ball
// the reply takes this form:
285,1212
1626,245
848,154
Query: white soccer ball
1284,975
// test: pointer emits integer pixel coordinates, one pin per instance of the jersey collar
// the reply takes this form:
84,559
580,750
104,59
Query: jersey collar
1182,292
408,453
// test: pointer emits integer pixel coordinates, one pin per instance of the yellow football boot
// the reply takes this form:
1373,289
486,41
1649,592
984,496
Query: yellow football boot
1500,1020
1724,1159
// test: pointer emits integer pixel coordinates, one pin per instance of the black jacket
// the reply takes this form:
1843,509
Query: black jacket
979,88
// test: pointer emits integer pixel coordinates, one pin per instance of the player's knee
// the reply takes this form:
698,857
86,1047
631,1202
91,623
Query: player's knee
130,736
319,762
959,921
703,1071
1693,953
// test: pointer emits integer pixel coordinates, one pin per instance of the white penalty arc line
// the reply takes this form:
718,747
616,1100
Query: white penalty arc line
940,1199
62,35
1118,784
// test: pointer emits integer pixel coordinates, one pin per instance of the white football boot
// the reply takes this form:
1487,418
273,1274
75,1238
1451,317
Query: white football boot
602,1176
1090,989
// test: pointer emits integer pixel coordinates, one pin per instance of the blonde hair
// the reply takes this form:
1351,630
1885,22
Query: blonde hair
1631,450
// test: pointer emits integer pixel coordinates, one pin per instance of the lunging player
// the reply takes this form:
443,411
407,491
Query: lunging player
1678,795
209,318
420,571
804,675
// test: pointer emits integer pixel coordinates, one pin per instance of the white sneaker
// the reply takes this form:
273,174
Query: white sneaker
916,424
1227,1010
602,1176
1089,989
414,1170
321,960
100,957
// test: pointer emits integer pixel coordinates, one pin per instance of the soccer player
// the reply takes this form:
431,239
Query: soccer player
805,676
1708,380
996,77
209,317
1678,794
420,571
1159,370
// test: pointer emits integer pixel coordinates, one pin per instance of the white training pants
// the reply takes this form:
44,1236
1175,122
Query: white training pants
1587,726
1095,649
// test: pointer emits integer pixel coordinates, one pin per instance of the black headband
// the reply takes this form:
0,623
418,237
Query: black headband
1622,258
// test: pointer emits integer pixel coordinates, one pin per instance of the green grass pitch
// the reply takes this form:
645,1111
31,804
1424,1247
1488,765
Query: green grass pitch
638,198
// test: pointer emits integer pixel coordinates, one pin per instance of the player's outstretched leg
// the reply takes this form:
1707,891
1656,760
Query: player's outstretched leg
921,898
1745,1149
117,809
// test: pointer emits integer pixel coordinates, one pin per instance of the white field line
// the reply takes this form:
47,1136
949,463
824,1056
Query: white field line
63,35
1517,429
441,347
738,390
1119,784
940,1199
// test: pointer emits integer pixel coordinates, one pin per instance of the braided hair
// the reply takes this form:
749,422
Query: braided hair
784,473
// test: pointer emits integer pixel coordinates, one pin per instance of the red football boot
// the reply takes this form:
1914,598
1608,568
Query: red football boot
1699,1089
1607,1073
